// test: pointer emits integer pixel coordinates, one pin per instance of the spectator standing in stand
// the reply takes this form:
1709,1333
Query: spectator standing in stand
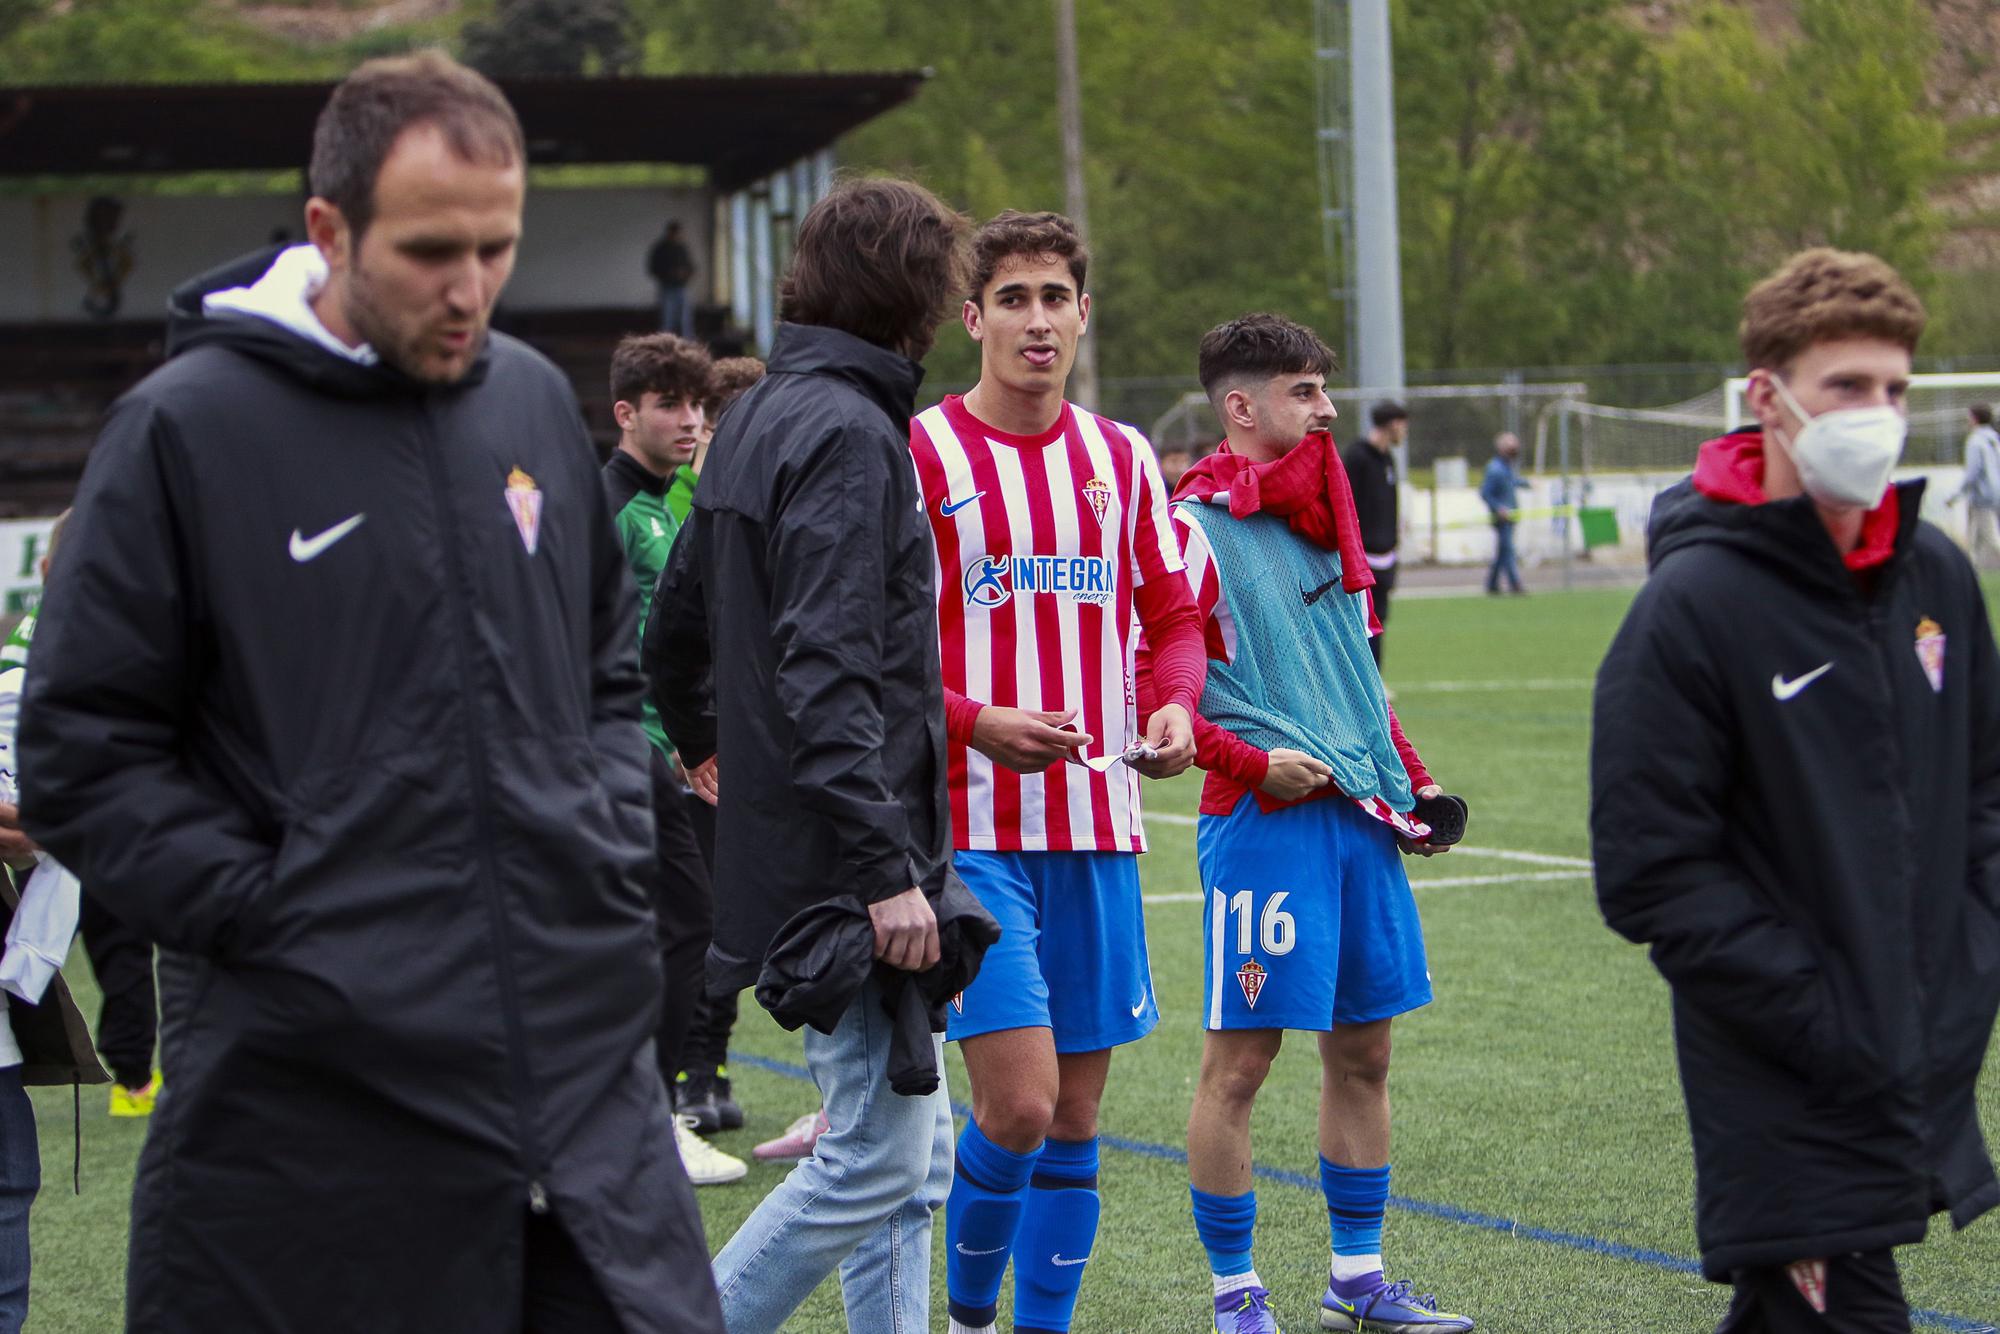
1374,473
672,268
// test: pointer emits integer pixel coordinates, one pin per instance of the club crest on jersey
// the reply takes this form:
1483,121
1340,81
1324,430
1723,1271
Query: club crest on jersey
1930,652
524,501
1098,492
990,581
1251,977
1809,1277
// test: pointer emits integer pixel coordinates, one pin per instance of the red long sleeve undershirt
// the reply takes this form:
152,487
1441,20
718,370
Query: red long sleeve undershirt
1234,767
1173,659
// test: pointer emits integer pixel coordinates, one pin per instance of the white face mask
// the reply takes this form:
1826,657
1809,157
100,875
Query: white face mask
1845,456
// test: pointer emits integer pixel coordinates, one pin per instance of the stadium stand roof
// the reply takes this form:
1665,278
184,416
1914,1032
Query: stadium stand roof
739,127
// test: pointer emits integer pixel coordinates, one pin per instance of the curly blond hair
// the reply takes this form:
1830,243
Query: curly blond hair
1822,294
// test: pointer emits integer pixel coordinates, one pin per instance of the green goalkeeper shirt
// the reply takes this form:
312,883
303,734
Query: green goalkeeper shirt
646,529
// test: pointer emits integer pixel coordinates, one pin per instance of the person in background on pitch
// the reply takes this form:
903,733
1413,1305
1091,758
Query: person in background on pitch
394,851
794,634
1175,460
1980,489
1500,490
1795,803
1054,550
128,1020
659,385
1310,794
1372,471
727,381
702,1089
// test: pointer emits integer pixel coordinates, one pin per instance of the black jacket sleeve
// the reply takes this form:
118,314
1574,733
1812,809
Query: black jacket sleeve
1983,806
676,653
113,786
1660,764
829,602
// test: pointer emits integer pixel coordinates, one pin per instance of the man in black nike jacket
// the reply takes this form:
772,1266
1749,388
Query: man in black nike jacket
339,703
1795,802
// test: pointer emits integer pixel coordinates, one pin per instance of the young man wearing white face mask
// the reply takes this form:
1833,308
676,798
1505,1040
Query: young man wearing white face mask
1795,802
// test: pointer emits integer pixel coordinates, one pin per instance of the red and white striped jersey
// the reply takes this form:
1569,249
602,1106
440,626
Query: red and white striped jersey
1042,542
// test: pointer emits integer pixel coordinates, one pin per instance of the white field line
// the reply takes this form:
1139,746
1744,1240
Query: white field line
1497,854
1427,882
1474,687
1571,868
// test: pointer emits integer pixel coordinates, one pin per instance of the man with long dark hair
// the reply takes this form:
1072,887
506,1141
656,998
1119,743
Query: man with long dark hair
794,633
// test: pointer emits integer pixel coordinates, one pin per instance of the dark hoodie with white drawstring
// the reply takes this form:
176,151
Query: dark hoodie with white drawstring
1795,802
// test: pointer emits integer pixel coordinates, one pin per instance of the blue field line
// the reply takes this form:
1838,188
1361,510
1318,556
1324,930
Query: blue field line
1449,1213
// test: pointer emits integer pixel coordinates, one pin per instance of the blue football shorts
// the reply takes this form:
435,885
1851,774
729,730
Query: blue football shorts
1309,920
1072,951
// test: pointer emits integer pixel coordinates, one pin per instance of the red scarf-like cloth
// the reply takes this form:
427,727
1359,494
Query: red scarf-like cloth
1307,488
1730,469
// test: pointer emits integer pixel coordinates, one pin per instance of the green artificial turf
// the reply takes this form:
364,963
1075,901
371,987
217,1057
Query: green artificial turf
1538,1088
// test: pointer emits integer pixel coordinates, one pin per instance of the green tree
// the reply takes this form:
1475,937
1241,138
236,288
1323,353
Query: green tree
531,37
1526,134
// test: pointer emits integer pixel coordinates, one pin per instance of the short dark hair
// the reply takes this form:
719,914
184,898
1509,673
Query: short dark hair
1387,411
1037,235
1982,413
661,363
373,106
1820,295
1174,447
730,378
1259,347
877,258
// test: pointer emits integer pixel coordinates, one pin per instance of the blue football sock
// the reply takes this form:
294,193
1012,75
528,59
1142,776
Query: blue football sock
1057,1232
983,1212
1225,1224
1356,1200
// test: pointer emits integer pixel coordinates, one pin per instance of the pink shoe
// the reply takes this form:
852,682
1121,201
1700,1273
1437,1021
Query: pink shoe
797,1141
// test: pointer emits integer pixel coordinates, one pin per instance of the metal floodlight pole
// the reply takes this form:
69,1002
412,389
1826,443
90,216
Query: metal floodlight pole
1069,104
1377,269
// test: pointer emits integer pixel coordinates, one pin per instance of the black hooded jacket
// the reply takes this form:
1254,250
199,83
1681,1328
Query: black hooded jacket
383,799
1803,823
802,584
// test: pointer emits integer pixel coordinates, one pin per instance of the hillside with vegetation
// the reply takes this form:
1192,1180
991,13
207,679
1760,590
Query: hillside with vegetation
1581,181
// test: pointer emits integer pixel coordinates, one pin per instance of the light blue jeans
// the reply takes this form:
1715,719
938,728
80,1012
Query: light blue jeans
863,1202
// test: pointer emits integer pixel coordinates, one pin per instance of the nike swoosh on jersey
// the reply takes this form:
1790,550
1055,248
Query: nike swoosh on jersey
1782,690
947,508
1140,1008
306,548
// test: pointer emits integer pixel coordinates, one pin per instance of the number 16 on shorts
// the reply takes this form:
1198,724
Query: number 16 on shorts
1250,938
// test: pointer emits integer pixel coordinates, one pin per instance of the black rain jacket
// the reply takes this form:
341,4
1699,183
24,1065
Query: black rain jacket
1815,864
384,803
804,579
825,954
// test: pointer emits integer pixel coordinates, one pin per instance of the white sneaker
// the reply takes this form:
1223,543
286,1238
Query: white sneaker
706,1165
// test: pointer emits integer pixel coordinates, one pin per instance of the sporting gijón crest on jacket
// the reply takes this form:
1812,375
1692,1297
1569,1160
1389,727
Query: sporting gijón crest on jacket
1796,805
